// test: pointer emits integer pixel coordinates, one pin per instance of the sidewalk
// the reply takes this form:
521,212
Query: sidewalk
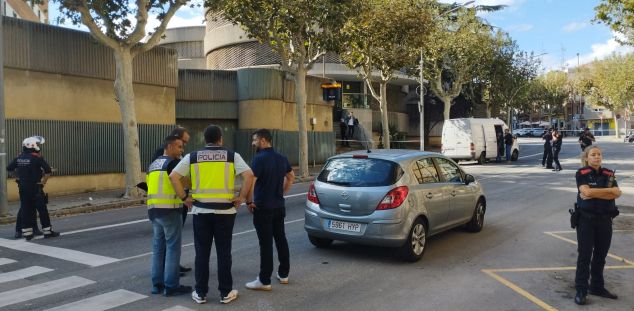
102,200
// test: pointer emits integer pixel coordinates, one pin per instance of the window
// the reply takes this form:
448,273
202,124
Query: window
360,172
425,171
448,170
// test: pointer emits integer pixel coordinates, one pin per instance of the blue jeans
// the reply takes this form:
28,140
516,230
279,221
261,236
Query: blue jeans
508,152
166,249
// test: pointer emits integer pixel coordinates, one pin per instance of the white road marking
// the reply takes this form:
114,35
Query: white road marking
178,308
295,195
102,302
626,215
191,244
532,155
58,252
4,261
105,227
22,273
19,295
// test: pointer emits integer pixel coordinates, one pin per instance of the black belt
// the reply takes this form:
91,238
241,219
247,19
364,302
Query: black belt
591,216
218,206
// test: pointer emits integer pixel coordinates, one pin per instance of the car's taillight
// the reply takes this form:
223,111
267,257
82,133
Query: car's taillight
312,194
394,198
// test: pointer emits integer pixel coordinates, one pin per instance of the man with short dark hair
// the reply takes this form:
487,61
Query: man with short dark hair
273,178
213,170
164,211
586,139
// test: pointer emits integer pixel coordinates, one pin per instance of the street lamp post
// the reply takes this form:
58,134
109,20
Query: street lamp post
4,206
421,101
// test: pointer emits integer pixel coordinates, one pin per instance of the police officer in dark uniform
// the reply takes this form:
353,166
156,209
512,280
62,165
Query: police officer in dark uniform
595,200
547,158
32,172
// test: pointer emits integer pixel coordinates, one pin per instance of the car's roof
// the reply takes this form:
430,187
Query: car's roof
396,155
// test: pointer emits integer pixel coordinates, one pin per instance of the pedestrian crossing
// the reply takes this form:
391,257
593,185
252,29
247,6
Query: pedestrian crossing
62,286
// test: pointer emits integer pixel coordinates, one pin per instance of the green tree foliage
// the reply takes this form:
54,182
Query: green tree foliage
619,15
120,25
386,36
299,31
554,92
455,53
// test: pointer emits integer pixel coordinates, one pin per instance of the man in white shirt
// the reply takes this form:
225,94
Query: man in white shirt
212,171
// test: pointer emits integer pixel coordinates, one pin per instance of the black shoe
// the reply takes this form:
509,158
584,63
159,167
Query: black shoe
550,167
28,237
184,269
53,234
157,289
38,232
602,292
580,298
18,235
180,290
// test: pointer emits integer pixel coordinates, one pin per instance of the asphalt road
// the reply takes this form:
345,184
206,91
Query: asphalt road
523,259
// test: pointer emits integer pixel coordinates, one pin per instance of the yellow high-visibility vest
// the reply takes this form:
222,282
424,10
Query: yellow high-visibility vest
212,173
160,192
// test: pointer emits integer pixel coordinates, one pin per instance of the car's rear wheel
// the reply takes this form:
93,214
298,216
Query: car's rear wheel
477,220
515,155
319,242
482,159
416,243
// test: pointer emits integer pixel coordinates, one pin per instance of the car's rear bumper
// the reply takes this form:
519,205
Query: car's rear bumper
373,231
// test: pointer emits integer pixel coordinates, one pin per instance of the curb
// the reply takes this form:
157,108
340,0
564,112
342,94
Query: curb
81,209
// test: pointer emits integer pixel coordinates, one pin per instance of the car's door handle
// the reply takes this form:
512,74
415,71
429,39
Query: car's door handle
429,195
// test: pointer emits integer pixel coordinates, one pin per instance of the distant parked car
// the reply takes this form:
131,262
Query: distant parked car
629,137
521,132
395,198
537,132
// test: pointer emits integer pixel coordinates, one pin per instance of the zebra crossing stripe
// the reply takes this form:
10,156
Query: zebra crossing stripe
22,273
23,294
4,261
102,302
58,252
179,308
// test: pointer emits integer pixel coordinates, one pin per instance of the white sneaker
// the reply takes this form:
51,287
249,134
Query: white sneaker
231,296
198,299
257,285
281,279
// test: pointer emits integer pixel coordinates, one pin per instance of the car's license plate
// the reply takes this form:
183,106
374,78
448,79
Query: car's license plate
343,225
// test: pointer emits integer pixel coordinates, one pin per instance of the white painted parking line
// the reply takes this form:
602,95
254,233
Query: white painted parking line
102,302
57,252
22,273
178,308
295,195
23,294
6,261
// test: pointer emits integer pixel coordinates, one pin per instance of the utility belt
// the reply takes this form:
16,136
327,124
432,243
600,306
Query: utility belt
216,206
576,214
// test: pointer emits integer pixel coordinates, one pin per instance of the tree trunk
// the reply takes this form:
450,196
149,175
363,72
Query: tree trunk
447,101
300,100
509,118
384,116
616,124
489,109
125,96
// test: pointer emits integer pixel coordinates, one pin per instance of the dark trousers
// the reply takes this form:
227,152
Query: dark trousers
32,202
343,129
269,225
556,151
208,227
350,131
547,158
594,236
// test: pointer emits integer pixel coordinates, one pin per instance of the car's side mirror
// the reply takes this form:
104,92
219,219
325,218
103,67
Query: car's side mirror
468,178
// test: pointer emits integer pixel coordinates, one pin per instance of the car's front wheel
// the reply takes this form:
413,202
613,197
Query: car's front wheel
319,242
515,155
482,159
477,220
416,243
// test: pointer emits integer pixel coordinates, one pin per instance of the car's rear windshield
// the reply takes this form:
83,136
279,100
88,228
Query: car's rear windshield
360,172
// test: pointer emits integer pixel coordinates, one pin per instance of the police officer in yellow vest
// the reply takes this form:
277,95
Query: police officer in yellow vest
212,171
164,210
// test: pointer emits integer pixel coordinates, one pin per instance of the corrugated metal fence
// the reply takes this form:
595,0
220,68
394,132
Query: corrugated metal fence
321,145
76,148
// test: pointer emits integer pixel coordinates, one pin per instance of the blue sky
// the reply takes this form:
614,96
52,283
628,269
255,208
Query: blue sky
559,28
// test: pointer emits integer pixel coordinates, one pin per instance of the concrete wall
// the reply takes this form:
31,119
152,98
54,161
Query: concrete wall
64,185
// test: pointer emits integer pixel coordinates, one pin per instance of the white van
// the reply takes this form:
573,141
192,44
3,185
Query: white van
474,139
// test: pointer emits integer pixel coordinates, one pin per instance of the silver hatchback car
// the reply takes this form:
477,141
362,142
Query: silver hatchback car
394,198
